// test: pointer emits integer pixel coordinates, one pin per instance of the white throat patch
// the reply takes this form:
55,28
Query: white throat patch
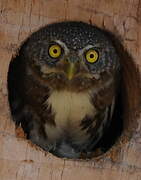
69,107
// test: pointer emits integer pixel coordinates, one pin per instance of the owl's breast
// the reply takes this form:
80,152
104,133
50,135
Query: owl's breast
69,110
70,107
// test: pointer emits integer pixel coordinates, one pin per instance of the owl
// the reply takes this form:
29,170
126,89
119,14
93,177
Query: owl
63,87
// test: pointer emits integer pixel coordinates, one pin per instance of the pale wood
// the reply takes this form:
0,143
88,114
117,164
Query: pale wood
18,159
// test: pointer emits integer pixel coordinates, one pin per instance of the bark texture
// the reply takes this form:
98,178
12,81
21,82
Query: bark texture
19,160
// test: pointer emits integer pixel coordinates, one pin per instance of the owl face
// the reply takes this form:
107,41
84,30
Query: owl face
71,55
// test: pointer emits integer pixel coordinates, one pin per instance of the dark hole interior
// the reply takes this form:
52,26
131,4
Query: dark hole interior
121,120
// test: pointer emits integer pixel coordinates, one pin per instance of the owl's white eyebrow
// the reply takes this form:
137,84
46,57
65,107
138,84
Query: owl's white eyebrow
81,51
63,45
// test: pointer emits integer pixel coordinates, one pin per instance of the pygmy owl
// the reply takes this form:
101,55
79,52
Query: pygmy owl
62,87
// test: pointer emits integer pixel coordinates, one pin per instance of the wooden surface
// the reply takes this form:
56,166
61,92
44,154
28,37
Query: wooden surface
21,161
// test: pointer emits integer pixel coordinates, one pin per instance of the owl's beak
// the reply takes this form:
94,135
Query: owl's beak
71,70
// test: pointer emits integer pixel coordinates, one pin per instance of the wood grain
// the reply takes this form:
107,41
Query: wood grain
19,160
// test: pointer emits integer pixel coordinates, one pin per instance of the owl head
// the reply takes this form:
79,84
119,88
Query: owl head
70,55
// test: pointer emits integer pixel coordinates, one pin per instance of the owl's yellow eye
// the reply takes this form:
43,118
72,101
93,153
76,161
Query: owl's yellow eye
92,56
55,51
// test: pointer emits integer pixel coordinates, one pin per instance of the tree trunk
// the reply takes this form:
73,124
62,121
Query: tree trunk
19,160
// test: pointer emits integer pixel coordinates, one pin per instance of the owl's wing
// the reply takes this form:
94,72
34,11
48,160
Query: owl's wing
105,122
103,119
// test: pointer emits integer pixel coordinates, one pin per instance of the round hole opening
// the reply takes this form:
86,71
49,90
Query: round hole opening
30,101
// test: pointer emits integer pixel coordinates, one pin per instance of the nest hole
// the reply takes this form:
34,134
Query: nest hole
127,107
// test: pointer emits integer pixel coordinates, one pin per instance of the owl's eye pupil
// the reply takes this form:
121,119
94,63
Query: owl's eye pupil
91,55
55,51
